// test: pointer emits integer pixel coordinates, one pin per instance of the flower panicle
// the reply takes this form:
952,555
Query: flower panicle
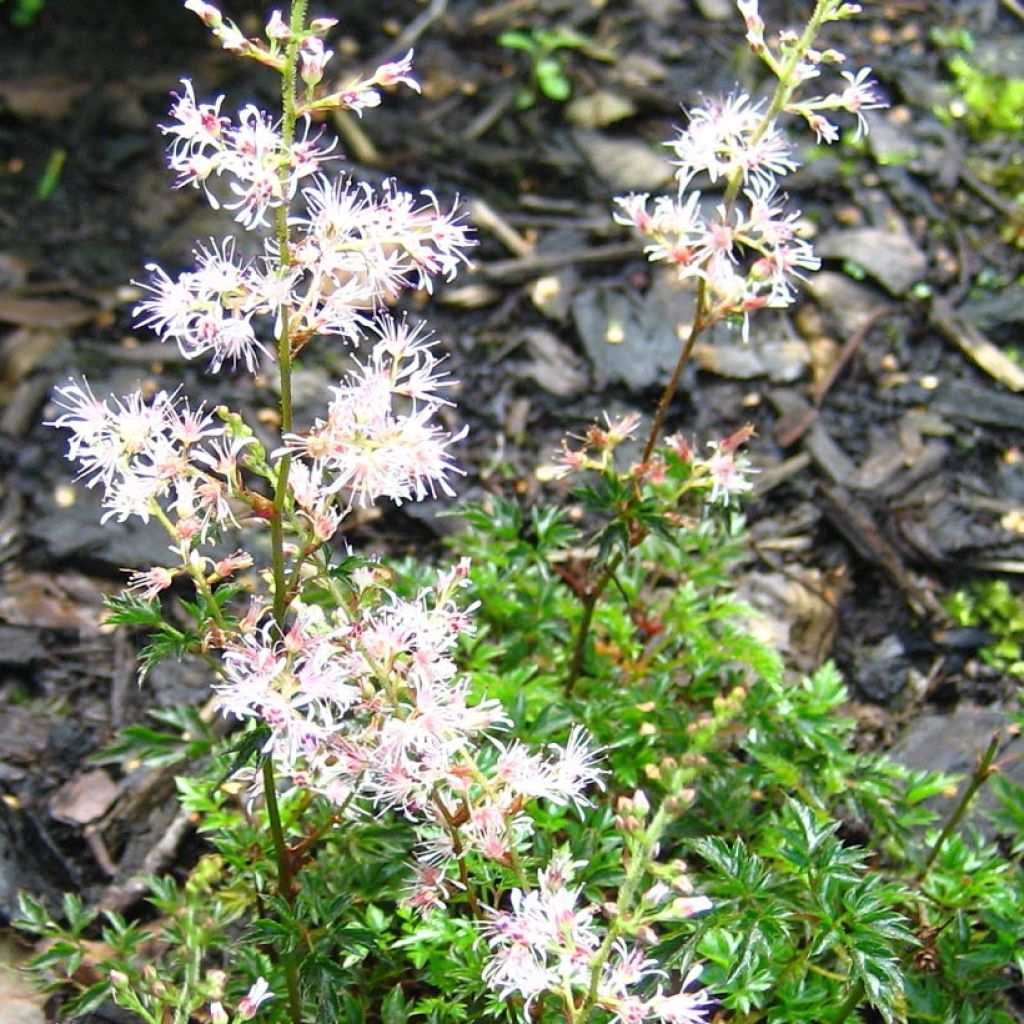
747,252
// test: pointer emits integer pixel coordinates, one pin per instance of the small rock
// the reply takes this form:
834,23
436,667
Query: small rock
890,256
715,10
553,366
634,338
599,109
22,1002
781,361
851,304
881,672
952,743
552,294
625,164
661,12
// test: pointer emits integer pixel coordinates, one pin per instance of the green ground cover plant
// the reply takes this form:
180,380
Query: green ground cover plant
554,778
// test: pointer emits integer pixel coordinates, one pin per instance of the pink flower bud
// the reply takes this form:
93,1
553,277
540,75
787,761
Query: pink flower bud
397,72
277,29
230,565
313,59
208,14
250,1003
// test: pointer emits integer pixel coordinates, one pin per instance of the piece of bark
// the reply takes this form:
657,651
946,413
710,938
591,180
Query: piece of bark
855,522
975,345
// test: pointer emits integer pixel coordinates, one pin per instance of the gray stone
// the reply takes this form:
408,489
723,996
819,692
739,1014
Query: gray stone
952,743
891,257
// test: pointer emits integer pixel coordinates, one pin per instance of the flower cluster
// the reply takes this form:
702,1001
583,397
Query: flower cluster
549,942
263,171
350,251
725,473
746,250
354,249
149,456
366,447
368,708
165,459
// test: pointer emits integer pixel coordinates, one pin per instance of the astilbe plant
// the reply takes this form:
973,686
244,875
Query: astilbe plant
350,691
368,738
745,253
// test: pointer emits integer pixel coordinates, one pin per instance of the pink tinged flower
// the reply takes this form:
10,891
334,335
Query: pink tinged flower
398,72
232,563
130,496
89,421
488,832
359,97
234,341
122,445
630,1010
199,127
860,95
208,14
729,476
146,585
232,38
627,966
634,212
824,130
688,906
254,998
519,769
516,970
683,1007
171,306
405,354
576,767
726,135
313,58
325,522
277,29
769,156
753,21
309,150
429,889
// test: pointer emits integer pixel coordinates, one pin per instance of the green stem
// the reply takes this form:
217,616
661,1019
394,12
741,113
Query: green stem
285,886
983,771
850,1003
638,865
590,599
696,328
284,343
285,877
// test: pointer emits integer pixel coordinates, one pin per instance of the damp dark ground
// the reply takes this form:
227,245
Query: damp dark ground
886,402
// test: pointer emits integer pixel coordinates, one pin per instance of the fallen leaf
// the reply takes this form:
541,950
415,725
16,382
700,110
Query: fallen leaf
84,798
24,348
891,257
48,601
47,98
52,313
